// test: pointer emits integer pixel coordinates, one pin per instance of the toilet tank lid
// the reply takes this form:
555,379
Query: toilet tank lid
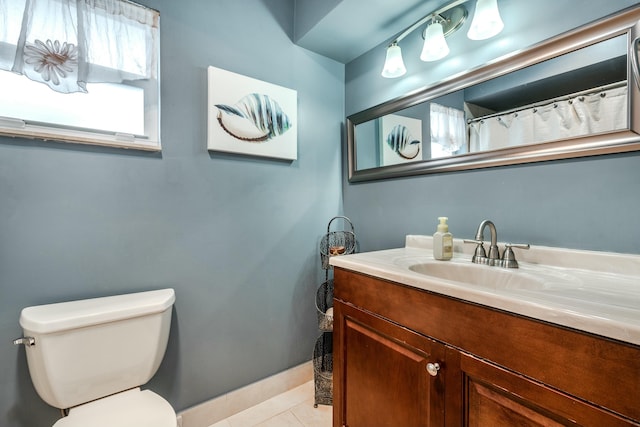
76,314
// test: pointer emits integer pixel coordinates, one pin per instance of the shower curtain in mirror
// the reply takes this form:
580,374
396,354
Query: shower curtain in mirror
602,111
68,43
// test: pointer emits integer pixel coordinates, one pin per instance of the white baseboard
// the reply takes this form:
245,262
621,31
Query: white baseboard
221,407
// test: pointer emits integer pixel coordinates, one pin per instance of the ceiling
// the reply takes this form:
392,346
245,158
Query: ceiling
345,29
353,27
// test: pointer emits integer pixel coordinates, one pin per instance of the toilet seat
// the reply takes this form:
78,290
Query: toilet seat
131,408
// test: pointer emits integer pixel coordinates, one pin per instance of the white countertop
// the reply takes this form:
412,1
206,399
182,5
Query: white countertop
597,292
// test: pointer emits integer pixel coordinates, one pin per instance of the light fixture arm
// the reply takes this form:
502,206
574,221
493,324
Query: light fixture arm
444,21
426,18
436,17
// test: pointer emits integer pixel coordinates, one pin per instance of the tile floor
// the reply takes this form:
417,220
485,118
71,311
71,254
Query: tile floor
293,408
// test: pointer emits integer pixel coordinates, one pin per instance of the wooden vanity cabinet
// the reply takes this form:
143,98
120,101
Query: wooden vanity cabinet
496,368
383,373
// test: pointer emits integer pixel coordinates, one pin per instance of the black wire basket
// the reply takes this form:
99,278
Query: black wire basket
324,306
335,243
323,369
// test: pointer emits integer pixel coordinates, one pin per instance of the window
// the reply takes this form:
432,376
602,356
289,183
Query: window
80,71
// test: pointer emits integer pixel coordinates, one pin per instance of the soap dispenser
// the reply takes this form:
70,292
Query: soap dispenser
442,241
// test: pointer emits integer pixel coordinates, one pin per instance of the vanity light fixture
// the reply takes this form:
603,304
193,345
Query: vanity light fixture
485,24
435,46
394,65
486,21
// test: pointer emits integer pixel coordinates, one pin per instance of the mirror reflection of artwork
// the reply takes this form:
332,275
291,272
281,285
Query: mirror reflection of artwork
401,139
249,116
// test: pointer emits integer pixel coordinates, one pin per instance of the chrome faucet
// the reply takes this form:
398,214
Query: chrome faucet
480,256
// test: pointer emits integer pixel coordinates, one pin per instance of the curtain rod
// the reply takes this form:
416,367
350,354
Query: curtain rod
548,102
102,4
135,3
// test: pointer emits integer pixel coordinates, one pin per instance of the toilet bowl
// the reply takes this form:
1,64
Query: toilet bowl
91,357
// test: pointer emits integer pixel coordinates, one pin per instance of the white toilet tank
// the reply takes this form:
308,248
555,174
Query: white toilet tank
88,349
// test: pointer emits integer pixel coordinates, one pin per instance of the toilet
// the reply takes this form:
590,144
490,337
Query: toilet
91,357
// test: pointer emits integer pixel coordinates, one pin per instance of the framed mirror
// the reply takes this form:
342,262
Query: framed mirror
577,94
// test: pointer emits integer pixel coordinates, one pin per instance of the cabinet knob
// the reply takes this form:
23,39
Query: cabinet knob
433,368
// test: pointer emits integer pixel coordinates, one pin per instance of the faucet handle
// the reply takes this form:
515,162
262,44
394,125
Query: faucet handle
517,245
477,242
479,256
508,257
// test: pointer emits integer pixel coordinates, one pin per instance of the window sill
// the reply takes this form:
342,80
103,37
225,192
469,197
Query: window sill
45,133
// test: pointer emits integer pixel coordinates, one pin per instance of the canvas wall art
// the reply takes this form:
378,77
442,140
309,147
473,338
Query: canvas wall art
400,139
250,116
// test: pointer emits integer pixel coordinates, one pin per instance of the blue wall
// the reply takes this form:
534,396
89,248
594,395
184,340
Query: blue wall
589,203
236,237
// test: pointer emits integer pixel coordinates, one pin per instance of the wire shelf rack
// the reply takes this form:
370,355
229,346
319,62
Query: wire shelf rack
333,243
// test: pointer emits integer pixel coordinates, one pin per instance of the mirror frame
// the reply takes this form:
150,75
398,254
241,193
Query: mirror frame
626,22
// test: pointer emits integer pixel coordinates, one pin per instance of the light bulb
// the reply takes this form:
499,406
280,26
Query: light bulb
435,46
486,21
393,65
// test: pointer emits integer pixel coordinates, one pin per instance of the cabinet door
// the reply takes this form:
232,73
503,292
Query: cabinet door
380,373
493,396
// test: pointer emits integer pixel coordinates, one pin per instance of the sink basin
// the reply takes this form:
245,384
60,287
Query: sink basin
561,285
478,275
595,292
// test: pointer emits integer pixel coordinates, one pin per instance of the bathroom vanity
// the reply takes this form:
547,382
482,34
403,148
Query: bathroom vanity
419,342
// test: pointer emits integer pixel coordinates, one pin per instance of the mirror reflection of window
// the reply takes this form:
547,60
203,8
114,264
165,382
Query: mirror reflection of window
448,130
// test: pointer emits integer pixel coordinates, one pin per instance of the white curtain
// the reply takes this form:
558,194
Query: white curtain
448,127
68,43
580,115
